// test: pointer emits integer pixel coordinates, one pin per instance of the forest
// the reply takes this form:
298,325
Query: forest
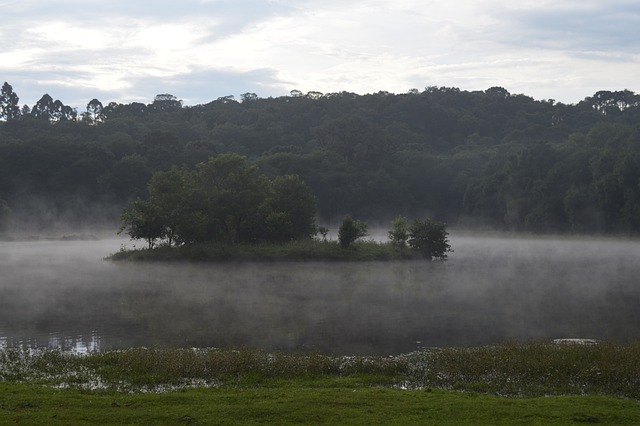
474,159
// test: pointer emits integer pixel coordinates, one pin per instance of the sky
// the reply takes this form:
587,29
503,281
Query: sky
200,50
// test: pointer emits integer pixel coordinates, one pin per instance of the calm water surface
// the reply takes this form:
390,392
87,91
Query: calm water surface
62,294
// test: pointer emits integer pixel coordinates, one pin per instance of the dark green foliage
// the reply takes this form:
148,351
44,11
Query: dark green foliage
487,158
427,240
350,230
94,113
429,237
293,210
142,220
399,232
9,108
223,200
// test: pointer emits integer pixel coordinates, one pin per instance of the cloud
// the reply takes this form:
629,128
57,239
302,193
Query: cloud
585,27
131,50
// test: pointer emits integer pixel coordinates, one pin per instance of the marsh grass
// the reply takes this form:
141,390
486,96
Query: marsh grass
530,369
297,250
511,369
143,367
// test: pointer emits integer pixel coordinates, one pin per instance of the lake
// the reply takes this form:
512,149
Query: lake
62,294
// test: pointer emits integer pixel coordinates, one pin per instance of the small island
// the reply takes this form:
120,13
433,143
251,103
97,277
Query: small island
224,211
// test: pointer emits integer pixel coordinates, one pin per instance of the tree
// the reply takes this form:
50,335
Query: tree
161,148
142,221
226,99
62,112
9,108
399,233
223,200
351,230
232,195
293,210
429,237
314,95
165,102
44,108
169,192
248,97
498,92
4,213
94,113
128,178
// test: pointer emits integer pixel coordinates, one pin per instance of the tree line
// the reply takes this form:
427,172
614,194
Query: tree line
471,158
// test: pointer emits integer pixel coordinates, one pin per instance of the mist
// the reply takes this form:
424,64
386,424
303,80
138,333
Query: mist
492,289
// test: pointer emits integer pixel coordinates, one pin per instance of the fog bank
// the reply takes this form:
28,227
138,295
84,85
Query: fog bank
62,294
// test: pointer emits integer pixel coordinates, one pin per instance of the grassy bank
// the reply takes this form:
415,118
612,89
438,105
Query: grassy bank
505,384
334,403
298,250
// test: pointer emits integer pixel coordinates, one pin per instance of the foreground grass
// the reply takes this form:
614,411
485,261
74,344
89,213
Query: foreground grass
531,383
297,250
327,402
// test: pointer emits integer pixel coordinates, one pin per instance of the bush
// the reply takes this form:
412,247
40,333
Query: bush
351,230
429,237
399,233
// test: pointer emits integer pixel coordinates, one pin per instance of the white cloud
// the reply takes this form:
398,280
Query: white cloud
128,50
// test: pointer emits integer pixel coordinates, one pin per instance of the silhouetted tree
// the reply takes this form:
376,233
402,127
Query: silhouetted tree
9,108
94,113
142,220
350,230
44,108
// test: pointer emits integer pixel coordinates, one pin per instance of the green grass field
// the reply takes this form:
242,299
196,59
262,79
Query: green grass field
332,402
513,383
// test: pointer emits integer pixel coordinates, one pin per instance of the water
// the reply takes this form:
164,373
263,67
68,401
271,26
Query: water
62,294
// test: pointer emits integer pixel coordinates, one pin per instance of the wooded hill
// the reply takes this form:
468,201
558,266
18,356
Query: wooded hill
473,159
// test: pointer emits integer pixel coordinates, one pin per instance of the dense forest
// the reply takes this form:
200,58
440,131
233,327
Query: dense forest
487,159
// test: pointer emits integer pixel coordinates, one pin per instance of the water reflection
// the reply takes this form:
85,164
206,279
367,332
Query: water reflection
61,294
79,344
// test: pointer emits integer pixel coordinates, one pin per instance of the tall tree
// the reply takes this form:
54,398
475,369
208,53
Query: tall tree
62,112
143,220
44,108
293,210
165,102
350,230
94,113
9,108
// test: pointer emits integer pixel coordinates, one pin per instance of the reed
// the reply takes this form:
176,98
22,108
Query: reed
509,369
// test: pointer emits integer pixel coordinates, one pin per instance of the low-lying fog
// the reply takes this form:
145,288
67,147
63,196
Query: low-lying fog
62,294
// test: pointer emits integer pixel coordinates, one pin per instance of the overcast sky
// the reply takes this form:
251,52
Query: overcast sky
199,50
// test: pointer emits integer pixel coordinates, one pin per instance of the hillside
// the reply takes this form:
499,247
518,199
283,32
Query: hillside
486,158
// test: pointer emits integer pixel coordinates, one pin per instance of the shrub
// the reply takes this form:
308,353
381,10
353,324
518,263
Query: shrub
429,237
399,233
351,230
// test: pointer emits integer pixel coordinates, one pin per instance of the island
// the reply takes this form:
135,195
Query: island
224,210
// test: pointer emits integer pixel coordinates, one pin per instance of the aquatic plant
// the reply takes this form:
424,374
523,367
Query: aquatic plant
510,369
